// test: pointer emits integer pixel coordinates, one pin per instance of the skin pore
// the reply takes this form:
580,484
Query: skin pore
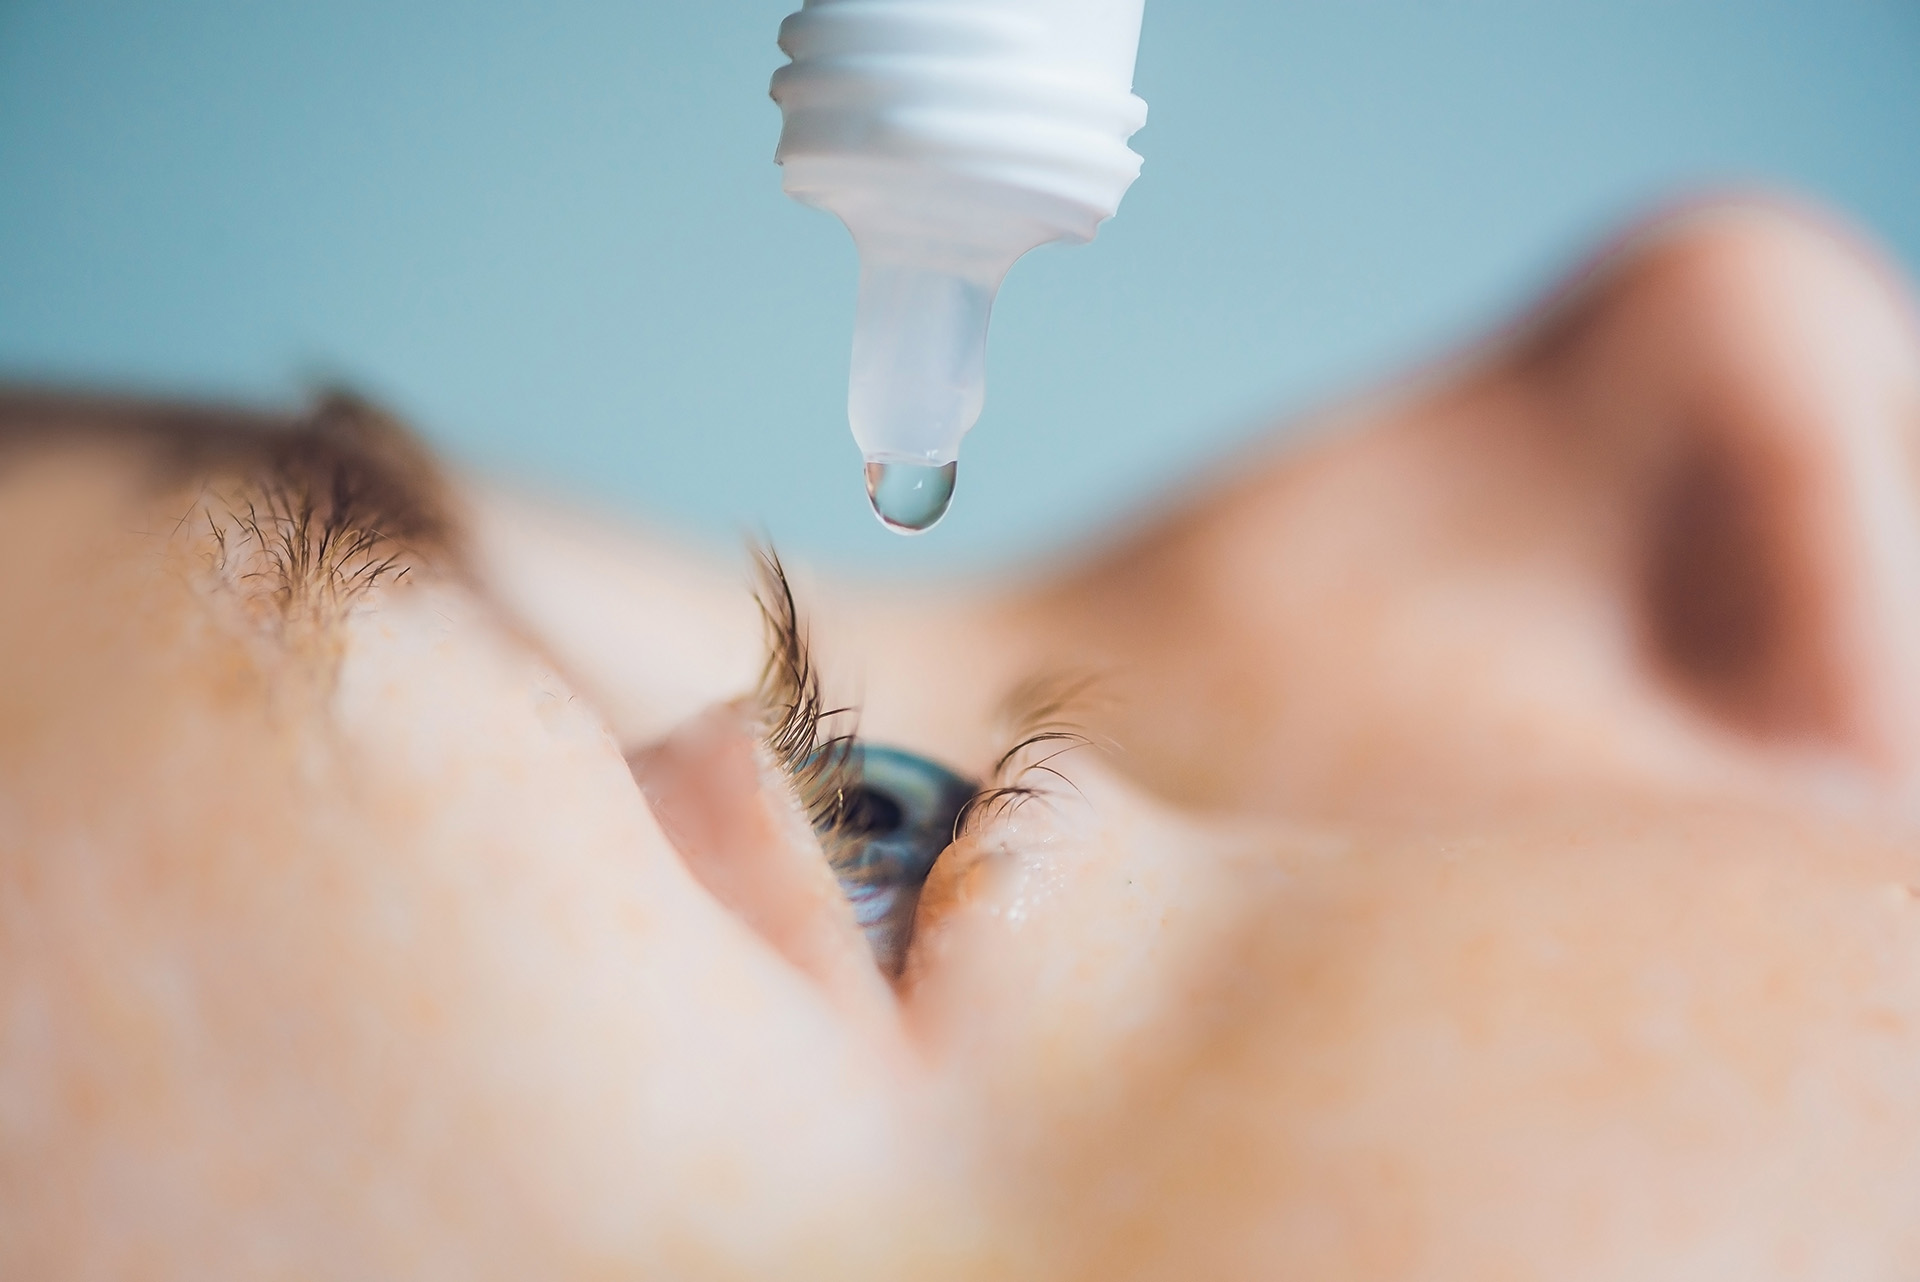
1494,856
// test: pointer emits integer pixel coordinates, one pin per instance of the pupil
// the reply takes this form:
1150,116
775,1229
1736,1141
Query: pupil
872,814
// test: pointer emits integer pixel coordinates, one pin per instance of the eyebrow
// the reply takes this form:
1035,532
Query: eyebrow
307,508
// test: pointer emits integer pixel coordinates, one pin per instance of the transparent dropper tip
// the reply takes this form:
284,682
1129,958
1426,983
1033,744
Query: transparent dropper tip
910,498
918,378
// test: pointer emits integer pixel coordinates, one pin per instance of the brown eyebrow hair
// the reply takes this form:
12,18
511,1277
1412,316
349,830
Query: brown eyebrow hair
307,509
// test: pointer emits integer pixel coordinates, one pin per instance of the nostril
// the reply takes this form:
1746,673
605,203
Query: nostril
1713,601
1738,610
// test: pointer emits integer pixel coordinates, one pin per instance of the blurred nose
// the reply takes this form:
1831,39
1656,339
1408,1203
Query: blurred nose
1665,532
1750,380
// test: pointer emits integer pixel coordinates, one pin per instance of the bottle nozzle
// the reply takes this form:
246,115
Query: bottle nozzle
918,381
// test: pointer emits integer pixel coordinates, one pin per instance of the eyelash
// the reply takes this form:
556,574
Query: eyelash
818,763
801,729
1038,708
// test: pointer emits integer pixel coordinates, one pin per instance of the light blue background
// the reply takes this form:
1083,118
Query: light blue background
553,234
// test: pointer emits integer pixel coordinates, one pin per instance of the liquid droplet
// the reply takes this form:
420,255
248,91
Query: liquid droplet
910,498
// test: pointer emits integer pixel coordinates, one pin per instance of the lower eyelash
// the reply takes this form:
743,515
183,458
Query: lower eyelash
1038,709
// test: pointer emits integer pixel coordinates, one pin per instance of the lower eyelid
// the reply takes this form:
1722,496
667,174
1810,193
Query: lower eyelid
964,874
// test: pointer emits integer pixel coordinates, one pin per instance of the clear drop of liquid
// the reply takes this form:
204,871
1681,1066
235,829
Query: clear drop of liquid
910,498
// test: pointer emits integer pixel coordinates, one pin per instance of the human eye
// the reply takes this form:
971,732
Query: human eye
883,815
898,813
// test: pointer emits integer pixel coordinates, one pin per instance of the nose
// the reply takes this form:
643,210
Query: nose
1749,382
1665,529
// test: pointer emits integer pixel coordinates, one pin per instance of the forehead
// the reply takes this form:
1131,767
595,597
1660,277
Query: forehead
300,857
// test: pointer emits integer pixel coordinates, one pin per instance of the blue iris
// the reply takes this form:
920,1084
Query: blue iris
898,816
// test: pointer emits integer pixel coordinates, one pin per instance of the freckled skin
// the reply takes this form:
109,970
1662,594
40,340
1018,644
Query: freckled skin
1498,862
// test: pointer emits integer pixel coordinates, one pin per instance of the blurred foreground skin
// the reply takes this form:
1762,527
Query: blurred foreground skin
1503,864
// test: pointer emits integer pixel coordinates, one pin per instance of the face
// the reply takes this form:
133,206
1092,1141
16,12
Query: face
1479,844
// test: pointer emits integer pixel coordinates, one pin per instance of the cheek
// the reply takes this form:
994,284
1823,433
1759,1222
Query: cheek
1644,1030
1074,967
1079,922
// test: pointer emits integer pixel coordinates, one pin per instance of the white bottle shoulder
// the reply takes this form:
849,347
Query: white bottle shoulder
1024,104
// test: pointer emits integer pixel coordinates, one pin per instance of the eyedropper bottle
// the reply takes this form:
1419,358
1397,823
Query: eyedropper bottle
950,136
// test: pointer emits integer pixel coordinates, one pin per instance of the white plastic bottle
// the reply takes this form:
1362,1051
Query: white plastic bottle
950,136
